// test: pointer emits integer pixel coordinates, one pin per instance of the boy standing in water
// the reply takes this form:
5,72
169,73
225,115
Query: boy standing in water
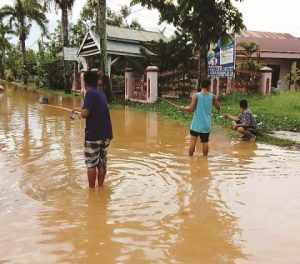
201,106
245,123
98,131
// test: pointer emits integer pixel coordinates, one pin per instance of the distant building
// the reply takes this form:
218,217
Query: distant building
279,51
121,42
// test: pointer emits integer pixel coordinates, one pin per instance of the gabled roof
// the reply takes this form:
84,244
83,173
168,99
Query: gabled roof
120,41
272,45
132,35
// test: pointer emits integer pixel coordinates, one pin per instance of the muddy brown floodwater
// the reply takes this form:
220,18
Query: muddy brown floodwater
240,205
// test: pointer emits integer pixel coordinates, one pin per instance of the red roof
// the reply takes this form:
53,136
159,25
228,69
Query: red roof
273,45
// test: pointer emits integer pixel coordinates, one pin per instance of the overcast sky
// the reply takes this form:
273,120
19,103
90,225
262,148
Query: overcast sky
261,15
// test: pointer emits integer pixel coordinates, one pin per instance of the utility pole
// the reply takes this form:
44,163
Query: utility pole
103,49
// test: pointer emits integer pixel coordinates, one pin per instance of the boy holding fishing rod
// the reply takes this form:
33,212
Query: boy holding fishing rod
98,131
201,106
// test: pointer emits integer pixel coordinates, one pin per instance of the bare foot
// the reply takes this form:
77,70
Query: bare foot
252,139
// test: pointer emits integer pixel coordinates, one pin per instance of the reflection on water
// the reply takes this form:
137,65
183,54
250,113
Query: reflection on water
239,205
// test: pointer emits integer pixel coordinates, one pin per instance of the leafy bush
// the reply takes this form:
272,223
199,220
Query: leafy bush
8,75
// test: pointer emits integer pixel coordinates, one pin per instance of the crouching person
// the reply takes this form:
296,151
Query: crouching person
245,123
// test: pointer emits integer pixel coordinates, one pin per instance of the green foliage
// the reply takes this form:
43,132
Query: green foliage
77,33
292,77
4,40
20,16
135,25
204,21
49,67
250,65
63,4
14,61
8,75
112,18
177,53
50,73
248,49
4,45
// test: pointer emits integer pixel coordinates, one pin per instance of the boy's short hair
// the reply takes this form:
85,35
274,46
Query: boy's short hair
205,83
244,104
91,78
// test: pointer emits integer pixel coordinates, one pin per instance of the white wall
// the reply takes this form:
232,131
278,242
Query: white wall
285,68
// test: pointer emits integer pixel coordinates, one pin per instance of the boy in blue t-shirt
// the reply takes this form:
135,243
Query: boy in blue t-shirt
201,106
98,131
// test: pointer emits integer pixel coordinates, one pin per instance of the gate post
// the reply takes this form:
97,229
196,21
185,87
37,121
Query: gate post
152,83
128,83
266,80
215,85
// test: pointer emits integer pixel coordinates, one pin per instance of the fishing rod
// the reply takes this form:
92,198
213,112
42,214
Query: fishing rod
220,115
167,101
74,114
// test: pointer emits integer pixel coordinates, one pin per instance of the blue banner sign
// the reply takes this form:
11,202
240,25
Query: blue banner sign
221,59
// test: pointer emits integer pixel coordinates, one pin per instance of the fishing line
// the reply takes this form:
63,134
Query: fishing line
167,101
73,115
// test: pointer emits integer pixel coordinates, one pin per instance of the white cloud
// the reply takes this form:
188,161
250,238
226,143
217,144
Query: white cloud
271,15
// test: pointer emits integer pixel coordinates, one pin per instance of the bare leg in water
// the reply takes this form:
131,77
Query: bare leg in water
92,176
193,142
205,148
101,175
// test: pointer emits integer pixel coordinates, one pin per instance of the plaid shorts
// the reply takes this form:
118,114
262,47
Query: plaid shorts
95,153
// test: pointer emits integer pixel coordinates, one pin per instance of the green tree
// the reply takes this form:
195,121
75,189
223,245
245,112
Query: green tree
249,48
204,21
13,62
78,30
112,18
65,6
4,45
176,53
20,16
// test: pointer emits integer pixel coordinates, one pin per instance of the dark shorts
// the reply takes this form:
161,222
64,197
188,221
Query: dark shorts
252,130
95,153
204,137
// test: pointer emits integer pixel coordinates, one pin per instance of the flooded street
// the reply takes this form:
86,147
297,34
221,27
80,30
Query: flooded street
240,205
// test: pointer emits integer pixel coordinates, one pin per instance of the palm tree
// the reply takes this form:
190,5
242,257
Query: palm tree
65,6
20,15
